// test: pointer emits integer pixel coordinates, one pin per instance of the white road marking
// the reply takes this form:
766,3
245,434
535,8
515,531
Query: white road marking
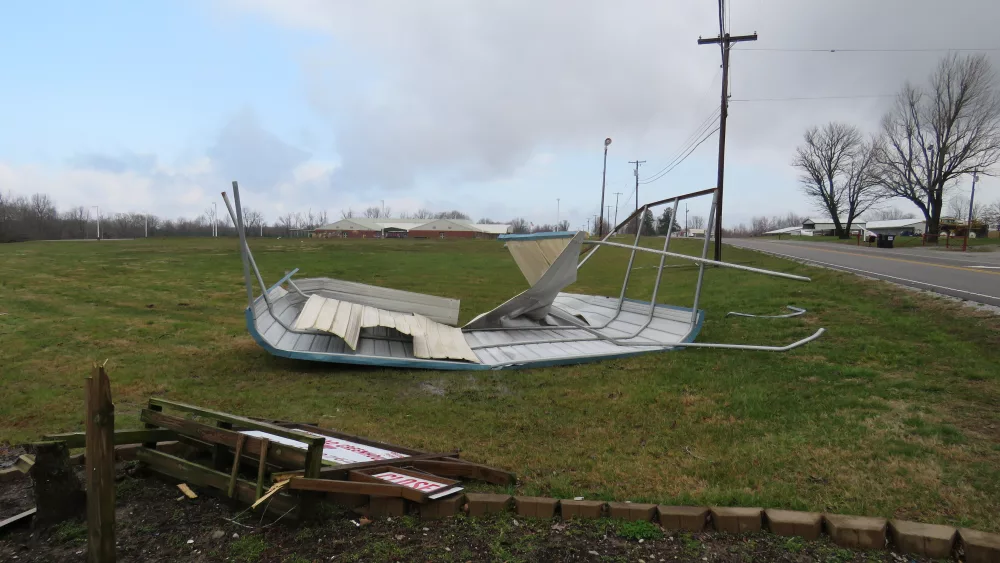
987,267
873,274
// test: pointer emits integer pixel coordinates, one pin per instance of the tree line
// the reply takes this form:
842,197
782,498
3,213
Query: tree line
36,217
932,137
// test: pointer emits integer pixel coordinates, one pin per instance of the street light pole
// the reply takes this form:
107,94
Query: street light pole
604,177
215,220
98,207
557,213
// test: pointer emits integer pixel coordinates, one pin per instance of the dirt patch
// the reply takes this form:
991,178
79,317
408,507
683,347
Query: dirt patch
154,522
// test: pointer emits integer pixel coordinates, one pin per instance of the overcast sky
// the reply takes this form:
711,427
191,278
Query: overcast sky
494,108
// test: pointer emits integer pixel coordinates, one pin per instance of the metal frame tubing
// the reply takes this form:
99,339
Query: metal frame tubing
707,261
755,347
704,255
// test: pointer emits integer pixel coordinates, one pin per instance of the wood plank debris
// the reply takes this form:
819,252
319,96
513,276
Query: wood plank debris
17,519
318,464
187,491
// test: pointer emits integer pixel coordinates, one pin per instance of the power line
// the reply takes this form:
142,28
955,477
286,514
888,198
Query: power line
851,97
703,139
700,130
922,50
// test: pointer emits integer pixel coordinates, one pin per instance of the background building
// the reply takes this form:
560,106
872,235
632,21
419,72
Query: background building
410,228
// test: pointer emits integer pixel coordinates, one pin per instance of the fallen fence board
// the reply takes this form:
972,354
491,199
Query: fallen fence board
332,486
341,471
466,470
277,454
235,420
195,474
78,439
16,519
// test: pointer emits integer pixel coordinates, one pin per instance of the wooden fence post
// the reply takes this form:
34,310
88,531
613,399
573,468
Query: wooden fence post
100,464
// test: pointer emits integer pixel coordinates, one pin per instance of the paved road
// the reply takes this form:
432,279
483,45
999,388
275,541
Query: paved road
968,275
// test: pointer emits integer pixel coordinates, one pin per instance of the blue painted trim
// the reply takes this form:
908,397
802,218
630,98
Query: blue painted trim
287,277
457,366
538,236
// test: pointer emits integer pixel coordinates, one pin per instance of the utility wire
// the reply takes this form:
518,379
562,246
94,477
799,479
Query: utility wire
929,50
852,97
708,122
691,150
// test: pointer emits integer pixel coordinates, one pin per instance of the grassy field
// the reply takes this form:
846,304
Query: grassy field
894,412
975,244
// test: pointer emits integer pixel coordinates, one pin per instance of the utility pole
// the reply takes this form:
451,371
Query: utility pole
636,173
972,203
145,226
687,233
588,225
725,41
616,207
215,220
609,216
604,179
557,213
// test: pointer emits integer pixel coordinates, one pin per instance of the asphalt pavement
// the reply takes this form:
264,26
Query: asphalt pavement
974,276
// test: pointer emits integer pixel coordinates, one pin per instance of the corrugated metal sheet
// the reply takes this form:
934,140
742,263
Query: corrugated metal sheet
431,339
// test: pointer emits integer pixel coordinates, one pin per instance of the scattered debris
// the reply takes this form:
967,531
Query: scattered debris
330,320
187,490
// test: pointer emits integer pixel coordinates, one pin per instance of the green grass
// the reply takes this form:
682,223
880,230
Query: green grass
893,412
248,548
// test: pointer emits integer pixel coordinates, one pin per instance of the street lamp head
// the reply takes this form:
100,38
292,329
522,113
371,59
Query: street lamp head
607,141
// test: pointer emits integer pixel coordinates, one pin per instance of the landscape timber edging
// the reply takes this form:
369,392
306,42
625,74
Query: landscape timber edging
857,532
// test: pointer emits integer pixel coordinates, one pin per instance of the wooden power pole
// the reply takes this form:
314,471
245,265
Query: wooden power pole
637,163
726,41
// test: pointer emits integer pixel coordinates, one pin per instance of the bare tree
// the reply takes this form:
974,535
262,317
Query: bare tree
696,222
348,214
252,220
423,214
486,221
519,225
562,226
958,208
453,214
75,221
839,173
373,212
933,136
888,214
760,225
992,215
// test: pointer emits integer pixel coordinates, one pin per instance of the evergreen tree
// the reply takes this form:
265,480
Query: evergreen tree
665,222
648,224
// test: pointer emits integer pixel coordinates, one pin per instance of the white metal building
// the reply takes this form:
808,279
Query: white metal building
897,227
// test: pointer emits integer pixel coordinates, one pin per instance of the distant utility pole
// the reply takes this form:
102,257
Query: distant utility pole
726,41
616,207
604,179
215,220
588,226
609,216
636,173
972,203
557,213
687,233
